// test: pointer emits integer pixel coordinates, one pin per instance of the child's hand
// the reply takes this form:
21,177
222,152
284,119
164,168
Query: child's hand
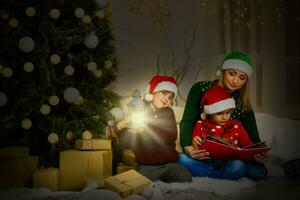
196,141
122,124
261,158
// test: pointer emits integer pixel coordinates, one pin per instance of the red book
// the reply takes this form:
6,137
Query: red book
220,150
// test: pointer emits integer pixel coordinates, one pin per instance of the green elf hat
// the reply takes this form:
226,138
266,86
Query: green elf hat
239,61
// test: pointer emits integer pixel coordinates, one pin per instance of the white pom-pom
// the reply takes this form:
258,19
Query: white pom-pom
203,116
218,73
117,113
148,97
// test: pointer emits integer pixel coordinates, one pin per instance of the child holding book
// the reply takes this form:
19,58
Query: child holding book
215,121
154,146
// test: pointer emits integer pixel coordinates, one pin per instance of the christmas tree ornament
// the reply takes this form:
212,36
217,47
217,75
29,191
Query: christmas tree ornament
91,41
30,11
69,135
86,19
87,135
26,44
53,100
79,101
79,12
97,73
96,117
7,72
45,109
53,138
69,70
71,94
55,59
100,14
14,23
92,66
54,13
28,67
4,14
108,64
26,123
117,113
3,99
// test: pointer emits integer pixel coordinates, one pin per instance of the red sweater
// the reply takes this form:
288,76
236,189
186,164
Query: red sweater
233,131
156,145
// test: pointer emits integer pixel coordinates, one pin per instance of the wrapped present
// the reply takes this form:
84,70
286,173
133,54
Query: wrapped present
75,166
17,172
48,177
93,144
14,152
127,183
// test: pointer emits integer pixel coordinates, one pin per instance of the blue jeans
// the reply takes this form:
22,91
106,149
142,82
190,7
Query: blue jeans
232,170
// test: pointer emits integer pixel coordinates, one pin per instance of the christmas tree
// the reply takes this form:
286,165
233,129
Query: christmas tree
57,66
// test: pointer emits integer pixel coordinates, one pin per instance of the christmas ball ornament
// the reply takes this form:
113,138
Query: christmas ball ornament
79,101
117,113
28,67
87,135
30,11
55,59
4,14
69,135
7,72
54,13
3,99
86,19
45,109
92,66
91,41
53,138
14,23
108,64
97,73
79,12
100,14
71,94
53,100
69,70
26,124
26,44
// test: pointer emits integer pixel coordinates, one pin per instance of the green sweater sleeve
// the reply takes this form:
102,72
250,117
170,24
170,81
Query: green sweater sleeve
249,122
192,112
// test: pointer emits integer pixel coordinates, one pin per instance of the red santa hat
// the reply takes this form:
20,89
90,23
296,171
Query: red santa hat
160,83
216,99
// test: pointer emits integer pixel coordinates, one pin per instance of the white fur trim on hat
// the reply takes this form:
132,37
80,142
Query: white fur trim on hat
166,85
219,106
239,65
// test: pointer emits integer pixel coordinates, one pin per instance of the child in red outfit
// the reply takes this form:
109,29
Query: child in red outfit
217,105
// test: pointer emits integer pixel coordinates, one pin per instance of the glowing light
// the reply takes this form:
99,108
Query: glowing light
137,119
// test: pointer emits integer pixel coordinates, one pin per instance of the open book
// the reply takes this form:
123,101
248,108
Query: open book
222,150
